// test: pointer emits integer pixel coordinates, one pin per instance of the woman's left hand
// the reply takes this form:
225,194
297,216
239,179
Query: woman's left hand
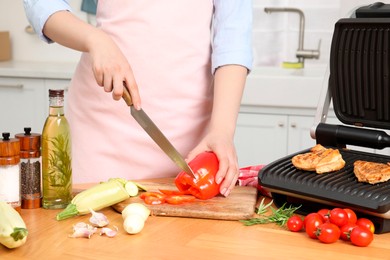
224,148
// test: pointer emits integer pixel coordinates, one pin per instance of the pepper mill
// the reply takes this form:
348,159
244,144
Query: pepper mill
30,168
10,171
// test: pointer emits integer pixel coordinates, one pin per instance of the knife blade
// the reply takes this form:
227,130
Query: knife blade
155,133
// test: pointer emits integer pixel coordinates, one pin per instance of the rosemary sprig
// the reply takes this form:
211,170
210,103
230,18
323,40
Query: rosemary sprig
279,216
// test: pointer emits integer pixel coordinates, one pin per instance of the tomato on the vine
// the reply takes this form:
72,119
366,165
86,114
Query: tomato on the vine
338,216
295,223
328,233
312,221
324,214
365,222
352,218
346,231
361,236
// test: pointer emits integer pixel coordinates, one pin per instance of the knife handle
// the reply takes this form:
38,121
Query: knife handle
126,96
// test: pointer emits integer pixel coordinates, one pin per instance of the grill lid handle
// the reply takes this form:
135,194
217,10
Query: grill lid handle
339,136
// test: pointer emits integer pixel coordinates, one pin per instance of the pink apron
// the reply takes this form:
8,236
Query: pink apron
167,44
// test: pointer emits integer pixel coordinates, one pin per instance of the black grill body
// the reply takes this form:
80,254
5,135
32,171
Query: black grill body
359,87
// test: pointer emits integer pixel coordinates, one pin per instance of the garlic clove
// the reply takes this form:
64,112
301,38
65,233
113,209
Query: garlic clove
82,229
109,232
98,219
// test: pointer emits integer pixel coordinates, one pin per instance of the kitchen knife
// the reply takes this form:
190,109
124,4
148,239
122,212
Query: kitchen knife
154,132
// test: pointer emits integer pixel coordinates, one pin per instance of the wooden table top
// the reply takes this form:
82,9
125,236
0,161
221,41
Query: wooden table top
180,238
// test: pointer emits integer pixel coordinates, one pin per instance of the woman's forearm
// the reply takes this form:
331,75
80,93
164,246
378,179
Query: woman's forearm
68,30
229,83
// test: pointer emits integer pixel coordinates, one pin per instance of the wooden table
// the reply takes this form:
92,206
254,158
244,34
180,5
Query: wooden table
180,238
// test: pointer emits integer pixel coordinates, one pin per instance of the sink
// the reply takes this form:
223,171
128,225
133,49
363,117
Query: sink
279,87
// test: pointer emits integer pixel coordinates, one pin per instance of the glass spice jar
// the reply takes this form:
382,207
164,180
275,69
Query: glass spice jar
10,171
30,168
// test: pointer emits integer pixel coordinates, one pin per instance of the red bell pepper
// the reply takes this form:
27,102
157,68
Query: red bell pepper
203,186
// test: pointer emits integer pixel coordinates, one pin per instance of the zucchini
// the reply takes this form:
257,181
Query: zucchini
102,195
13,230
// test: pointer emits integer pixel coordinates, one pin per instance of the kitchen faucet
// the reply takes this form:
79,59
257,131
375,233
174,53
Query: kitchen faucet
301,53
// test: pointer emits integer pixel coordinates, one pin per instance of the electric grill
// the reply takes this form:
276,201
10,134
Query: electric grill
359,88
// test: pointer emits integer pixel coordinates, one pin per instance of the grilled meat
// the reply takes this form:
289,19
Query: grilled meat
371,172
319,159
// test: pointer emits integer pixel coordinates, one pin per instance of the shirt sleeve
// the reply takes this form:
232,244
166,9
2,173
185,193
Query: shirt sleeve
38,11
232,33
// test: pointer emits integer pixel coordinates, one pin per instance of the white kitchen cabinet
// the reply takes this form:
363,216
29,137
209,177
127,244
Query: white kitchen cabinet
299,133
260,138
24,102
263,138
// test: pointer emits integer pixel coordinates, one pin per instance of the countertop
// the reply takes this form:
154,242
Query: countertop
180,238
33,69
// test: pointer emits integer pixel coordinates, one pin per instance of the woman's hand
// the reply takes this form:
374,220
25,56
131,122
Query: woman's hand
223,147
229,82
111,69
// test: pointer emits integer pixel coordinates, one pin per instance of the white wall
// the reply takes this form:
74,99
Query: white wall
275,36
29,47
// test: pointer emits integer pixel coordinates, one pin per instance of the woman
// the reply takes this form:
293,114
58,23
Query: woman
188,60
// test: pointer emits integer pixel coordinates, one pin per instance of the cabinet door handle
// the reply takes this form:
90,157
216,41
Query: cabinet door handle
293,125
11,85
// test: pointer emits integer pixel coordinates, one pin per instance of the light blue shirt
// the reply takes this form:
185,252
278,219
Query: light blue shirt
231,26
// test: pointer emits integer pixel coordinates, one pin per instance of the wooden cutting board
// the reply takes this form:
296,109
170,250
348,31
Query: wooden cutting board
240,204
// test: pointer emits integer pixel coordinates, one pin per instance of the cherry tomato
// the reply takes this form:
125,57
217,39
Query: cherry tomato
311,215
295,223
346,231
328,233
361,236
338,216
324,214
205,165
365,222
351,216
179,199
311,224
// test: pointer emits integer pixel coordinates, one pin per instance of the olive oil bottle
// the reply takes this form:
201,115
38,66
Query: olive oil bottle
56,155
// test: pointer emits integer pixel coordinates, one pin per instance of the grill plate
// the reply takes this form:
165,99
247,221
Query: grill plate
340,187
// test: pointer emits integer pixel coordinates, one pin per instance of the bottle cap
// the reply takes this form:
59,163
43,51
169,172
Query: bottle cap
30,143
56,92
9,150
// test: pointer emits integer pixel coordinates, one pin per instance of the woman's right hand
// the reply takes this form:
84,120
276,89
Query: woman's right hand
111,69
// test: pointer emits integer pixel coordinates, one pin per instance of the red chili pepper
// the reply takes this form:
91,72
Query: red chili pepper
203,186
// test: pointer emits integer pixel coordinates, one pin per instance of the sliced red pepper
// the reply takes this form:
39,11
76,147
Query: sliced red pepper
179,199
173,192
153,198
203,186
